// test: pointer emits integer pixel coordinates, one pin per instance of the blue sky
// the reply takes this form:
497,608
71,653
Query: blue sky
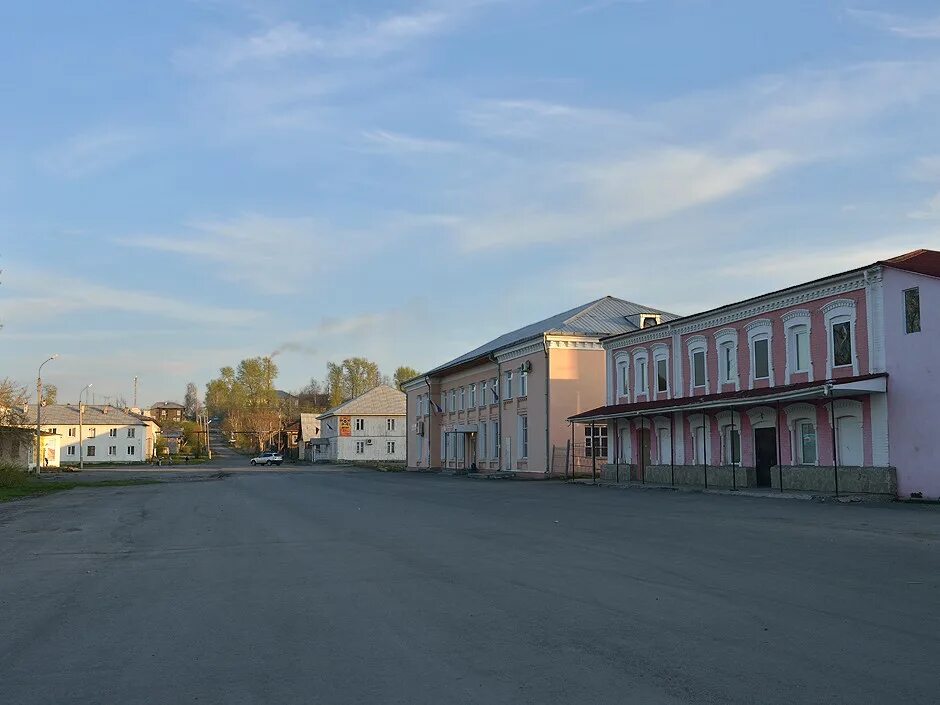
184,184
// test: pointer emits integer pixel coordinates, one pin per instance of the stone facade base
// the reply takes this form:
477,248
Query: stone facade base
852,480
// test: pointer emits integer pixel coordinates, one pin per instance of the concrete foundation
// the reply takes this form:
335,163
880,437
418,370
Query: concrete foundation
852,480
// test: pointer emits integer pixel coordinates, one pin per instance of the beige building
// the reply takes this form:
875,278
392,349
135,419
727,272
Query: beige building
367,428
504,405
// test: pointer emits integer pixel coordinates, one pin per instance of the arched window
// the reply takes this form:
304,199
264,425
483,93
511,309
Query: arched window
840,318
804,435
698,365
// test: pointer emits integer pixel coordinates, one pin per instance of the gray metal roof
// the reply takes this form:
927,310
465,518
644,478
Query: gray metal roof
380,401
67,415
167,405
596,319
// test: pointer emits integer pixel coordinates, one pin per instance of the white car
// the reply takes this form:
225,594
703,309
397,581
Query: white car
268,458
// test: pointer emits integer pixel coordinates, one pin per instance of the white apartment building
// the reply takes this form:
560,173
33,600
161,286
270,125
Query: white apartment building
102,434
370,427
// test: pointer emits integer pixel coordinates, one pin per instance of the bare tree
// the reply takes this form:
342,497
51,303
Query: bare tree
191,401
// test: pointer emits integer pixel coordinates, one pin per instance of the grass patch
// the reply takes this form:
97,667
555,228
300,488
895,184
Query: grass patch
16,484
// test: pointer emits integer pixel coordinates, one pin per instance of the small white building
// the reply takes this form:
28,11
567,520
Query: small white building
105,435
370,427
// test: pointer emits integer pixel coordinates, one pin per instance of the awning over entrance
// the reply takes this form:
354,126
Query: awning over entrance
466,428
844,387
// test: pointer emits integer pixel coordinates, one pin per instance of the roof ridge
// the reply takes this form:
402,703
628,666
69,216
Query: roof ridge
584,308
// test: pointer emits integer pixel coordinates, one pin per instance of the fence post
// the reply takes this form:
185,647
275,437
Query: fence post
593,455
567,455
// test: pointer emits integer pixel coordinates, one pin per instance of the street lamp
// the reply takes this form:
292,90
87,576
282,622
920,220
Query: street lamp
81,437
38,410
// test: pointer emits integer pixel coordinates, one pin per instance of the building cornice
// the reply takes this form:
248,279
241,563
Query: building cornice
529,347
754,307
560,342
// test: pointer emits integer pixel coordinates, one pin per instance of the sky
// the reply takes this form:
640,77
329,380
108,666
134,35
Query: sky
187,184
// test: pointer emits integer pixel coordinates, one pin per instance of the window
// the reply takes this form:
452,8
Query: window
390,424
841,343
53,431
453,400
90,451
642,380
72,432
360,447
483,393
494,391
662,375
463,399
806,442
761,358
912,310
443,402
665,445
92,432
523,436
481,443
508,390
131,450
113,433
523,384
131,432
698,368
800,348
728,363
473,396
390,447
733,446
112,450
71,450
649,321
443,445
595,445
495,440
360,424
624,382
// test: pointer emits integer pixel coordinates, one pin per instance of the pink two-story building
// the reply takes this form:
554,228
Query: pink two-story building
831,385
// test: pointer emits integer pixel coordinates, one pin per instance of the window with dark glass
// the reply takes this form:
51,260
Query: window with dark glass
662,378
841,344
698,368
761,358
733,446
595,444
912,311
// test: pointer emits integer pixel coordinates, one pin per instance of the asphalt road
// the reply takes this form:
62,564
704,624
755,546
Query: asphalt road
358,587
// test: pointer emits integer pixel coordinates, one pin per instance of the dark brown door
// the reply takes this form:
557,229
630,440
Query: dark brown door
765,454
643,436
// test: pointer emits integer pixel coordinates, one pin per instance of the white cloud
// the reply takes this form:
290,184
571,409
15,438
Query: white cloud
92,152
360,38
70,295
270,254
929,211
398,143
900,25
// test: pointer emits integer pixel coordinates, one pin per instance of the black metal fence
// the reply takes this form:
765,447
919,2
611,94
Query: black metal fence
576,461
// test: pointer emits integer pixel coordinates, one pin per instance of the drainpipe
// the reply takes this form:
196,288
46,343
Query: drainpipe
499,380
427,428
548,386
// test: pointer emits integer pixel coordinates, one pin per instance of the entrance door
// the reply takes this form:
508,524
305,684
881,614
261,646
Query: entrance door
472,450
849,431
643,441
765,454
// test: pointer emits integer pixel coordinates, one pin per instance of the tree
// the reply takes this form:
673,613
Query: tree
403,374
352,377
191,401
245,399
14,425
49,394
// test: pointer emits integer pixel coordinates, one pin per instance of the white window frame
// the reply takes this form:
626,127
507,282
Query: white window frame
72,432
797,415
112,450
360,424
728,421
523,439
507,387
482,450
443,402
462,399
389,447
389,424
847,408
641,373
453,400
360,447
494,440
472,396
71,450
761,329
795,322
840,311
112,432
622,366
727,339
697,344
132,432
523,384
660,354
443,453
483,390
696,423
132,450
494,390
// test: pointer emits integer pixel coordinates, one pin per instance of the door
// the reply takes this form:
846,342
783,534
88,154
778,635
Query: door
643,441
472,451
849,432
765,454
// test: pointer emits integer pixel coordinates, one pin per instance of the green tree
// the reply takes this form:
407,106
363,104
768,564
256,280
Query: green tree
352,377
245,399
14,424
403,374
50,394
191,401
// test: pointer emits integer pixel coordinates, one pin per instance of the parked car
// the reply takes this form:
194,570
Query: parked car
268,458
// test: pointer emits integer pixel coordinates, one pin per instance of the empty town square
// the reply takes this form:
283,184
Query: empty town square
335,585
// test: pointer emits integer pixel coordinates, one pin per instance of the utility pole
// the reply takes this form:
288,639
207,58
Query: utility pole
81,435
38,411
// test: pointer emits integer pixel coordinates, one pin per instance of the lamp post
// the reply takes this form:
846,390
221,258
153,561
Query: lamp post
81,436
38,411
